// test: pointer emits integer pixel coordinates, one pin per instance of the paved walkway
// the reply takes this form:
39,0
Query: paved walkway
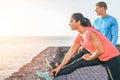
86,73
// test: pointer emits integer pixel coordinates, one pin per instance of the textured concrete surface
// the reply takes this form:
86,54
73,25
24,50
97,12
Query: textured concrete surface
86,73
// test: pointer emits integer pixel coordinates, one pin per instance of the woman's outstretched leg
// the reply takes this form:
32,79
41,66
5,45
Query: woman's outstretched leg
78,64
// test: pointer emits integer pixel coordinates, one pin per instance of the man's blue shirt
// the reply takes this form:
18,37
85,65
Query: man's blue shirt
108,26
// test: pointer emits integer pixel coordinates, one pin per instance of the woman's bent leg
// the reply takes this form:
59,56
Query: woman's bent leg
75,57
78,55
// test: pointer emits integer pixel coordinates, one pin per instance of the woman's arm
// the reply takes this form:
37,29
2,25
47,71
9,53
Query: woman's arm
98,46
67,57
70,53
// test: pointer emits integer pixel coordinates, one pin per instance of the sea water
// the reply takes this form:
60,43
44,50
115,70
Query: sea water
17,51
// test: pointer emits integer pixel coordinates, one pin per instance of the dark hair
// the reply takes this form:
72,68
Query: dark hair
102,4
79,17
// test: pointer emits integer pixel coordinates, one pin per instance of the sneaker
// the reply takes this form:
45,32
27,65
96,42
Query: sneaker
44,75
48,63
53,65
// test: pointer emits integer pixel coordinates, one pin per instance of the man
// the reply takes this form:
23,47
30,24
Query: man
105,23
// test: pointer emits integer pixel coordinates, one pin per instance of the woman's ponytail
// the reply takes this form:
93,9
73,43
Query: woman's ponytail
79,17
86,22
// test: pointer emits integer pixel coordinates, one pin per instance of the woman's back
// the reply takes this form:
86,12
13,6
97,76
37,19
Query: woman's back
109,49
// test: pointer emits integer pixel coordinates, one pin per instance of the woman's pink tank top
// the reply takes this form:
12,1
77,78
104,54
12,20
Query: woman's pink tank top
109,50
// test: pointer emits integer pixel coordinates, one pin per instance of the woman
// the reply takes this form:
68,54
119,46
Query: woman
101,51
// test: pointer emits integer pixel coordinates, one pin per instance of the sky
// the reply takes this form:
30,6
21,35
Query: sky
47,17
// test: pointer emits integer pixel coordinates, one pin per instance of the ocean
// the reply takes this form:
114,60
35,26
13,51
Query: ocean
17,51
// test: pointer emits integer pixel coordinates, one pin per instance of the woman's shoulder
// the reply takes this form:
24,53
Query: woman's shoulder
91,30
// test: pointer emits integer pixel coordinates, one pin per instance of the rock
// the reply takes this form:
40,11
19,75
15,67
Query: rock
38,63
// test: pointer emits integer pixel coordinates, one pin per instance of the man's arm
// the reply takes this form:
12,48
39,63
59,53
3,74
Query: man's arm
114,31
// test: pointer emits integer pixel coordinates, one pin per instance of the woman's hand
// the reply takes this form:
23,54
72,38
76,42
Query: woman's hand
86,56
56,70
80,49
